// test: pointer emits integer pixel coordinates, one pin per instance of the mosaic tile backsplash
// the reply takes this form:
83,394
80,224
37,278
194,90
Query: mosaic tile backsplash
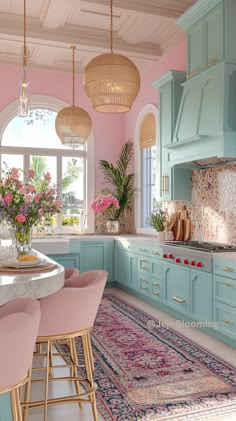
213,205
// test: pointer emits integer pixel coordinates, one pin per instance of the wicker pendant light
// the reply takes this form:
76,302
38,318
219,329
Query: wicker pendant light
111,81
73,124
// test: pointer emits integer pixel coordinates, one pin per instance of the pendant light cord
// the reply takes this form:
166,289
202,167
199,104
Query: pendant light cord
25,48
111,29
73,74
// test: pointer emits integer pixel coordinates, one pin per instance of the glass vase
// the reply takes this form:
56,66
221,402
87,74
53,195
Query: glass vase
113,226
23,240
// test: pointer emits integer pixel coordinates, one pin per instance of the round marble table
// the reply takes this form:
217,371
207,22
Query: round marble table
35,285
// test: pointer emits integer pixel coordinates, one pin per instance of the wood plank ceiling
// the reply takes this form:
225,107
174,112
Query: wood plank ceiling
144,30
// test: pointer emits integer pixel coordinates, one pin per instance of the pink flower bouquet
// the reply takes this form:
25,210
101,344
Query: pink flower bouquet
106,204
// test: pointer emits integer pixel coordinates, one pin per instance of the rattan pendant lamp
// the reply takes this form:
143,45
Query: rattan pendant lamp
111,81
73,124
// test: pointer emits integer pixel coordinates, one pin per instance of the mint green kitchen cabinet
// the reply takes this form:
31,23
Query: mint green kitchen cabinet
205,41
5,407
71,260
201,302
97,255
126,268
176,288
174,182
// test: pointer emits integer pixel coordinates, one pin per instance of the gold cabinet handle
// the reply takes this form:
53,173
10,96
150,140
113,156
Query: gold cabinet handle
155,253
228,285
228,322
144,279
155,284
210,63
179,300
143,267
155,293
143,287
143,260
193,73
227,269
145,250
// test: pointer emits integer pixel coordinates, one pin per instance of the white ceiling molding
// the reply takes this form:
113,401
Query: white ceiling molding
142,30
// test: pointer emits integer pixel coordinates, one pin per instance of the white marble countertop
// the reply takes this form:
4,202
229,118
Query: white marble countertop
35,285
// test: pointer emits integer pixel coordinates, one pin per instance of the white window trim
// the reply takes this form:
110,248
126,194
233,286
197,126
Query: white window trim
54,104
150,108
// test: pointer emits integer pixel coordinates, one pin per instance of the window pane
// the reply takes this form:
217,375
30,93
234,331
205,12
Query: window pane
72,191
42,165
11,160
35,131
148,183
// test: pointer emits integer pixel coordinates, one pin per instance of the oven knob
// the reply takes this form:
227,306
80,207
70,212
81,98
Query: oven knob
186,262
193,263
177,260
171,256
199,264
165,256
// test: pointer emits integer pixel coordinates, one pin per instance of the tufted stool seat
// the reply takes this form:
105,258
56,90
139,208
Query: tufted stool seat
65,315
19,322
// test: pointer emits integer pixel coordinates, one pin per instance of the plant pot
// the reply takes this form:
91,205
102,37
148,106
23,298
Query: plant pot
113,227
160,236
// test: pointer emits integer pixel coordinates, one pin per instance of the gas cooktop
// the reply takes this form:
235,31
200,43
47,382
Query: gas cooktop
202,246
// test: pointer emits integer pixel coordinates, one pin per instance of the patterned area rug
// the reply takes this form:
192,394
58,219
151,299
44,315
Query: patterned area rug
155,374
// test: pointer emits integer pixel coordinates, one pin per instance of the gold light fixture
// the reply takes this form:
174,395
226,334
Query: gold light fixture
73,124
23,108
165,183
111,81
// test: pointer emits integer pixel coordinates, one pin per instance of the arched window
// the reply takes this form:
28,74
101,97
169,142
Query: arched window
146,166
32,142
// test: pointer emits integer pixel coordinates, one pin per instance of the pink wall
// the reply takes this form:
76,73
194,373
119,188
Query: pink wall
110,131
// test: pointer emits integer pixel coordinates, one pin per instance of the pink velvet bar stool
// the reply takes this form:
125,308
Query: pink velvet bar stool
19,322
65,315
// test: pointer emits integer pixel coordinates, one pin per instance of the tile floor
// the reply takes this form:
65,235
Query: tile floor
71,412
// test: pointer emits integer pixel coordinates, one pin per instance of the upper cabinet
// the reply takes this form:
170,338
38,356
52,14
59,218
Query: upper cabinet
205,42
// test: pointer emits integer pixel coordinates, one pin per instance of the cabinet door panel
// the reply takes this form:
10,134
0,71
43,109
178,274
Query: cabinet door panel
176,287
122,269
195,48
201,295
214,36
97,255
71,260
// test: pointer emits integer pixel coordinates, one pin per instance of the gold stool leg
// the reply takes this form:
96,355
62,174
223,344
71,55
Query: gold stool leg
13,405
27,395
18,405
75,368
91,351
48,344
89,373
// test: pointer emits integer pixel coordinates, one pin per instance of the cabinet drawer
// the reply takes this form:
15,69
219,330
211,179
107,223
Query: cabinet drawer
224,290
155,289
144,284
224,268
225,317
150,266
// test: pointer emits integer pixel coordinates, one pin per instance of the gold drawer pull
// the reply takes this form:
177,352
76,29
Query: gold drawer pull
143,267
155,253
155,293
143,260
143,287
145,250
155,284
228,285
193,73
144,279
210,63
228,322
179,300
227,269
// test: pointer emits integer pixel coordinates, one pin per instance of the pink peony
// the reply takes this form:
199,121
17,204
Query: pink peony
105,203
37,197
23,190
20,217
28,198
31,188
47,176
31,173
8,198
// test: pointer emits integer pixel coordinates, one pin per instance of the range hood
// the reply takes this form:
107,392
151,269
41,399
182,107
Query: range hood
205,130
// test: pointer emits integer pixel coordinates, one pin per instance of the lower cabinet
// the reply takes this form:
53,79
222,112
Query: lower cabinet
126,268
71,260
176,291
97,255
201,295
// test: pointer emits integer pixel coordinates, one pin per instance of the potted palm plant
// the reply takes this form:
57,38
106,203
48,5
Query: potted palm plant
120,181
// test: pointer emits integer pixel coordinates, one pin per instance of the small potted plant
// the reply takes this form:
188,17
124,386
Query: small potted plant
157,221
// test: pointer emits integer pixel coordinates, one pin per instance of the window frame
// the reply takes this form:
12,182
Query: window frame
150,108
53,104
